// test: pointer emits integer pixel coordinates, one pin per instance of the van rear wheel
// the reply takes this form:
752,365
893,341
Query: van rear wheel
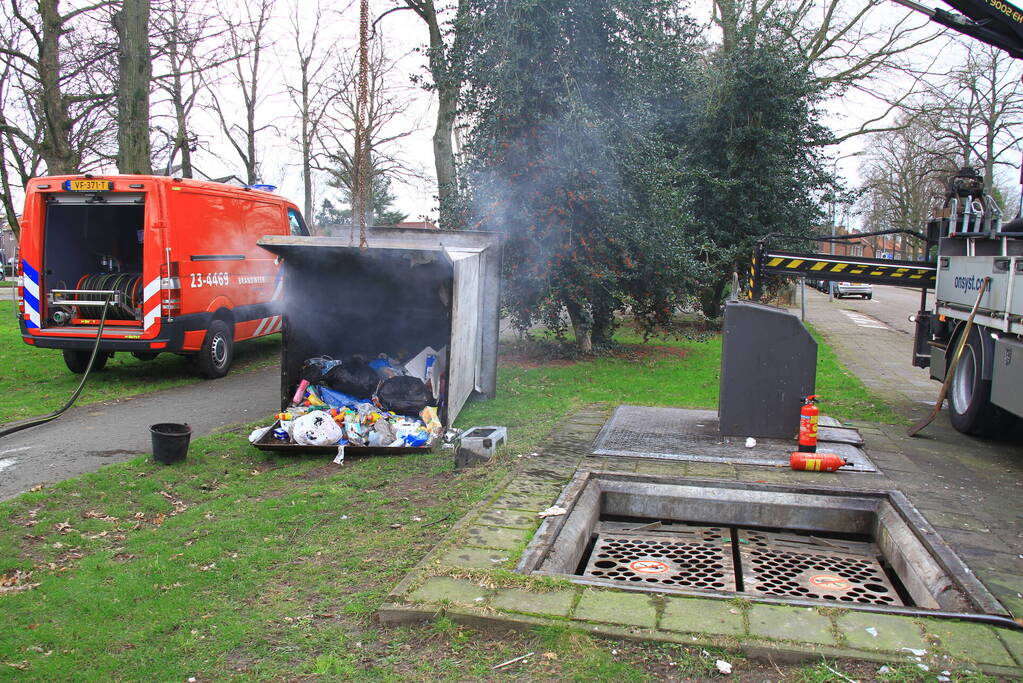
77,361
217,352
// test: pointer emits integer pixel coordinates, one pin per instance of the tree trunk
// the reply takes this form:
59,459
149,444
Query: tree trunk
710,298
603,325
55,148
135,72
582,326
448,86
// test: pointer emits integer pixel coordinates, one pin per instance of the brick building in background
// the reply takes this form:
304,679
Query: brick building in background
878,246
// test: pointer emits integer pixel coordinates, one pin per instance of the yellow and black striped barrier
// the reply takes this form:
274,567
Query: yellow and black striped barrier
845,268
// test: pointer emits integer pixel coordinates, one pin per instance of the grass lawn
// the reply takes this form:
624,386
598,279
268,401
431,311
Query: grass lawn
35,381
240,565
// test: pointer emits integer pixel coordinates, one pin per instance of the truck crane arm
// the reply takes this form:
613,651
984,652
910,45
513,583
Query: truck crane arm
995,22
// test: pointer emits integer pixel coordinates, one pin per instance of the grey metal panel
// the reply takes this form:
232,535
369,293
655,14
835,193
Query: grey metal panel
768,364
464,347
959,279
1007,375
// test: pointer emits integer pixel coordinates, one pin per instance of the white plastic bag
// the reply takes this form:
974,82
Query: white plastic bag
316,428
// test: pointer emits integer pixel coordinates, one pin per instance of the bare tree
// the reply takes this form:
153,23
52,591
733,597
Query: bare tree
386,124
248,41
135,75
976,113
847,44
319,82
447,81
55,86
190,51
904,175
58,65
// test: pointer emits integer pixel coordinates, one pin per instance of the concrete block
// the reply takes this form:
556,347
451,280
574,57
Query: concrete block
801,624
694,615
614,607
444,589
555,603
893,633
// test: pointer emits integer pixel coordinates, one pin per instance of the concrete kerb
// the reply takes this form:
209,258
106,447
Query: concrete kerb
482,595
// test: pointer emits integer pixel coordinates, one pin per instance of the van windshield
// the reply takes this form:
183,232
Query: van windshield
296,223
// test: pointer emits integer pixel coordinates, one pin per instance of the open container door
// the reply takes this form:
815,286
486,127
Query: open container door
464,355
404,293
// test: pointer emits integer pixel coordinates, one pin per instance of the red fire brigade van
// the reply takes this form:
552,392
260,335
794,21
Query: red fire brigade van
177,259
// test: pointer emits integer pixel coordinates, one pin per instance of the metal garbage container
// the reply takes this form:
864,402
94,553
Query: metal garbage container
768,364
408,290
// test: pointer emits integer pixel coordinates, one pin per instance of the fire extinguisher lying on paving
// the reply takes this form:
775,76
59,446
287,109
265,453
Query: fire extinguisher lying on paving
817,462
808,416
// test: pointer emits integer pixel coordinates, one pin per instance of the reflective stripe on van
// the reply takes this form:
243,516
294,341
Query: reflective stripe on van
30,282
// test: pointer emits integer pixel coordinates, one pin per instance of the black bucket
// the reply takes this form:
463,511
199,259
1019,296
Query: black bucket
170,442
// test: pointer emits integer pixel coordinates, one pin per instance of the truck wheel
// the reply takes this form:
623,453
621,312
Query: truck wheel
969,398
76,360
217,352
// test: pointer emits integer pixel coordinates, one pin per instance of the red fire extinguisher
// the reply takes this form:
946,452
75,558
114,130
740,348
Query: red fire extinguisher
808,425
816,462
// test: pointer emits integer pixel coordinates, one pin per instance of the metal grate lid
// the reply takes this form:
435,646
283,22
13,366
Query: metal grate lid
697,558
807,567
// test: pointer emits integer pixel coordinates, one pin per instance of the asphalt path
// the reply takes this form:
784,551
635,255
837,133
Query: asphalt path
91,436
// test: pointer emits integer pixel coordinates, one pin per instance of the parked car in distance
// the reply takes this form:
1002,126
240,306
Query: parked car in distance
843,289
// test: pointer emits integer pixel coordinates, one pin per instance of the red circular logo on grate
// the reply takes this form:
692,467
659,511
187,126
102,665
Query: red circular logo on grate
649,567
830,582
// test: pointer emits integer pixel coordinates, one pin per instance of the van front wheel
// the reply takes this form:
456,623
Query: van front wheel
77,361
217,352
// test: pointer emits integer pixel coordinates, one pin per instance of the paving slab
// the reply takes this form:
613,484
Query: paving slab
695,615
557,603
508,518
475,558
870,631
444,589
1013,641
617,607
790,623
495,537
970,642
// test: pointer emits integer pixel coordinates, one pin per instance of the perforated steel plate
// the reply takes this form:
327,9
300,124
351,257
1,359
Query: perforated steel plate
698,558
692,435
812,568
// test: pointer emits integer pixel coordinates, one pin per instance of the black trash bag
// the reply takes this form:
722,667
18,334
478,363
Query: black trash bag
353,377
404,395
315,369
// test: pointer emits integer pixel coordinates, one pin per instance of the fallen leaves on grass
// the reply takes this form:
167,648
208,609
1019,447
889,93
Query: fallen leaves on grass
20,666
63,527
96,514
16,581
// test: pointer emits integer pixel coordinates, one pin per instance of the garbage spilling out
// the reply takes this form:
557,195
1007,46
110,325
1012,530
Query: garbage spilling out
379,403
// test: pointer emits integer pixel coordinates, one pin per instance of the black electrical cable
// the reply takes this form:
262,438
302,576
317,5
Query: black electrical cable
74,397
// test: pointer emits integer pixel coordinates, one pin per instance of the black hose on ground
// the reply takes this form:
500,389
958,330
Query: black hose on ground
74,397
